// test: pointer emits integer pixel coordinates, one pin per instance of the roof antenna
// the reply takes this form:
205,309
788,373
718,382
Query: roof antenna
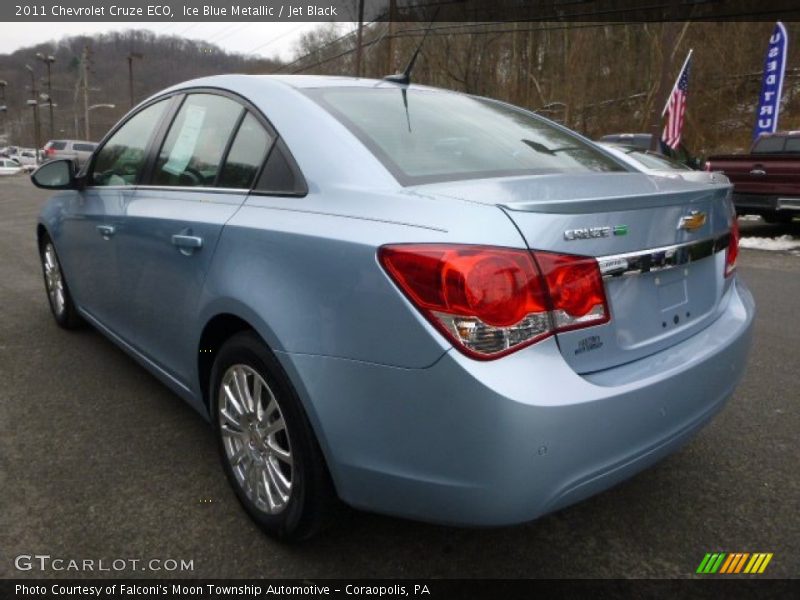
404,78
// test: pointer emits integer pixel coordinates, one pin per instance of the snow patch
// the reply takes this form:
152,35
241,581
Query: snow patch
777,244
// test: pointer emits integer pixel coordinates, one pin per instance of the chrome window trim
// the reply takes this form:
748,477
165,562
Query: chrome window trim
172,188
660,259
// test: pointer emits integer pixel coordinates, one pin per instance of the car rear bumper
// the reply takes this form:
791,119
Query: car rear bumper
505,441
765,203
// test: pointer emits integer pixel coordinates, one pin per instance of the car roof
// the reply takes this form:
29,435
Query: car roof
236,82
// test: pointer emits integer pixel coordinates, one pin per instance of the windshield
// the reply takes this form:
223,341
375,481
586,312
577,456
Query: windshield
426,136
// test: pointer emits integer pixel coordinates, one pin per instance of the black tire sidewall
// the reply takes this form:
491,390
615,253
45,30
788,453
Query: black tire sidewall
69,318
293,521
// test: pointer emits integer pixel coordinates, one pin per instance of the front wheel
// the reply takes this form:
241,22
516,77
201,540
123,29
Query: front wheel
268,449
61,304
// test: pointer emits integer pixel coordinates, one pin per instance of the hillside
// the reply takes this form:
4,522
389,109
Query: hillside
166,60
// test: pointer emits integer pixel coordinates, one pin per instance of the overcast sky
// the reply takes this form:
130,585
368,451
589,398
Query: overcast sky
256,38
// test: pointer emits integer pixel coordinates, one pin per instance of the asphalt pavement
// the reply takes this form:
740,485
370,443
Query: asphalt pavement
99,461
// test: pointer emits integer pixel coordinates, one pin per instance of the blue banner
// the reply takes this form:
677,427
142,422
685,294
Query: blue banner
769,101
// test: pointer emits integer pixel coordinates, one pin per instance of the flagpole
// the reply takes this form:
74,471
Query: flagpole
669,96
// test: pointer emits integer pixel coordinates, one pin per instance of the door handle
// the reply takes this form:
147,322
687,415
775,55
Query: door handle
758,172
187,241
106,231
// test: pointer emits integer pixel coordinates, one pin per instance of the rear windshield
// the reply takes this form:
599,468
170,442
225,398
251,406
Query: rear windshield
57,145
425,136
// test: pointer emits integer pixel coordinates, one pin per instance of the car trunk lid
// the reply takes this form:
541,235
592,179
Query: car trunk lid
660,244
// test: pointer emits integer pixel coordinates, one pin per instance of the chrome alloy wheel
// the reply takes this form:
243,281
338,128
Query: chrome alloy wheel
54,280
255,438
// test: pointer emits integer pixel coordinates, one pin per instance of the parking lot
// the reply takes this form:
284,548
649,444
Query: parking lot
100,461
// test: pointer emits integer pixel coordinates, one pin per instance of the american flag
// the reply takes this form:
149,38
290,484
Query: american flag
676,108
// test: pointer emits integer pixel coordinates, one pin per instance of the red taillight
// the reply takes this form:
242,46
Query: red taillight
576,289
707,166
732,252
492,301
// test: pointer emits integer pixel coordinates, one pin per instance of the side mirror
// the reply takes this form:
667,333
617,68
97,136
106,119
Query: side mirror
56,175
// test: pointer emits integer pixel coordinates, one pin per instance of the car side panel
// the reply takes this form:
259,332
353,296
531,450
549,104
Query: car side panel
308,266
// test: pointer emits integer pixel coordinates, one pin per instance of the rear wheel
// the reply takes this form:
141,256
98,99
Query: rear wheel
268,449
61,304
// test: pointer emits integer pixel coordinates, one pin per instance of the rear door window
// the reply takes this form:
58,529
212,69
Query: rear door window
83,147
192,153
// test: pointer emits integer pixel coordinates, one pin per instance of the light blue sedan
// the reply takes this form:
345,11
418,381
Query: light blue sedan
422,303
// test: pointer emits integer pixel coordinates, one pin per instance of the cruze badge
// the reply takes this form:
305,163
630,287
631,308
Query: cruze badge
694,220
588,233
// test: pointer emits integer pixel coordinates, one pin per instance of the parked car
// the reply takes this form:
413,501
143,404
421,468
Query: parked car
766,181
642,142
428,304
660,165
26,159
8,166
8,151
76,150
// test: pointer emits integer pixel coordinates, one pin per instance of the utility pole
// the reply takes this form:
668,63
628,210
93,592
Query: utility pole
131,56
4,109
75,97
390,38
85,83
49,60
359,37
34,104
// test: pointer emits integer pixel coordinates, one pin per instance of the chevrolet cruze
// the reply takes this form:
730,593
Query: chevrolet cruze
422,303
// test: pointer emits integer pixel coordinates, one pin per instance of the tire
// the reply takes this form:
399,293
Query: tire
259,456
778,218
55,284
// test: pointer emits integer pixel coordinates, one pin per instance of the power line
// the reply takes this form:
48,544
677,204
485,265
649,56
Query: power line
340,55
180,33
321,48
399,34
447,29
224,30
237,30
275,39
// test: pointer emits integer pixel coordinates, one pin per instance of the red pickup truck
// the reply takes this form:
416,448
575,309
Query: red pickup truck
766,182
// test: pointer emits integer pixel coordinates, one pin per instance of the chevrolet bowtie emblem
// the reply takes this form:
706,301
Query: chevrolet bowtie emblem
694,220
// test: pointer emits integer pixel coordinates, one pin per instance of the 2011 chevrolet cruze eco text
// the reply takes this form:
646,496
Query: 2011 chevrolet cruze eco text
424,303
